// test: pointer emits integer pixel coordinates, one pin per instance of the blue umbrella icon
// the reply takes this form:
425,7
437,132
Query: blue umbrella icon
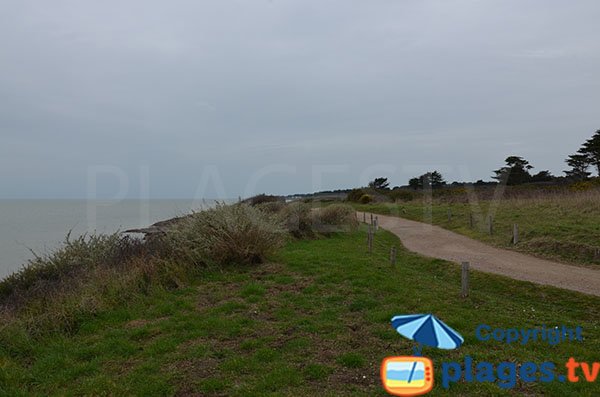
427,329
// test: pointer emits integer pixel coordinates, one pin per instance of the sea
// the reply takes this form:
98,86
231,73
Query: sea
40,226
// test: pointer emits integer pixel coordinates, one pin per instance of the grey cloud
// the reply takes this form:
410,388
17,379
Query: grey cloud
179,86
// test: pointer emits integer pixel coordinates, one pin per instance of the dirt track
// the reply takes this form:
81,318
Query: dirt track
436,242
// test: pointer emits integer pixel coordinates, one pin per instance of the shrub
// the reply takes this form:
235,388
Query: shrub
72,300
584,185
77,255
273,207
225,234
402,195
365,199
335,217
297,220
55,293
354,195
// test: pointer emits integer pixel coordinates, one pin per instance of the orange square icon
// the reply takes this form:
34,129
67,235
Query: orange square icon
407,376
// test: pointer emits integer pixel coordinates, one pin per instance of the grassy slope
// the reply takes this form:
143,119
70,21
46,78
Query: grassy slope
564,229
317,323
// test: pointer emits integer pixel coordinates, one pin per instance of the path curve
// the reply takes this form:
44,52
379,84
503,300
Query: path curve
434,241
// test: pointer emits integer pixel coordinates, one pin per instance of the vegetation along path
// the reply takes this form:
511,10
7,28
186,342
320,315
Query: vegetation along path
433,241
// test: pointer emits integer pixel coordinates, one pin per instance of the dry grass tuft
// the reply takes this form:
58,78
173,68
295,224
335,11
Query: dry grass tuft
226,234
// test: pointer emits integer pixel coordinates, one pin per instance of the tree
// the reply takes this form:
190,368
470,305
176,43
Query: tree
542,176
425,181
436,179
428,180
515,172
379,184
591,149
579,164
414,183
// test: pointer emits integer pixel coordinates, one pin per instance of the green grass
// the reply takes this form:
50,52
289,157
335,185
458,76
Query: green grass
315,321
565,228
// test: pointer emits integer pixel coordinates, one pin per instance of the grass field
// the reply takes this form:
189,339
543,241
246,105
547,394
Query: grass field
315,321
563,227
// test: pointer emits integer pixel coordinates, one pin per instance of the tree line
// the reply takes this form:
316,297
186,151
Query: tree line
516,171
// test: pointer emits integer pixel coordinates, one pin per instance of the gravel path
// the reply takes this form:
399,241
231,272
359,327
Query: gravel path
434,241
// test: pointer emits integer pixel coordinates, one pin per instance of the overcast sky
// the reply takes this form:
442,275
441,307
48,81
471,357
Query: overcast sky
227,98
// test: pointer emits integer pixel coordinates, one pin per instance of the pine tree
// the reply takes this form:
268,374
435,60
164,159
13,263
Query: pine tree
579,164
515,172
591,149
436,179
379,184
428,180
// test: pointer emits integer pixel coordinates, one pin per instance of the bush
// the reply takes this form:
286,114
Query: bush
355,194
273,207
402,195
77,255
365,199
335,217
56,292
225,234
584,185
72,299
297,220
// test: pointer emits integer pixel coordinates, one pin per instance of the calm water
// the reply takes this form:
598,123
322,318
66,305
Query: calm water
41,225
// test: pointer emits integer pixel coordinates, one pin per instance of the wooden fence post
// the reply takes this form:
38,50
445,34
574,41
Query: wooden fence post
393,256
370,240
471,220
376,223
364,217
371,219
515,233
449,214
464,280
490,225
